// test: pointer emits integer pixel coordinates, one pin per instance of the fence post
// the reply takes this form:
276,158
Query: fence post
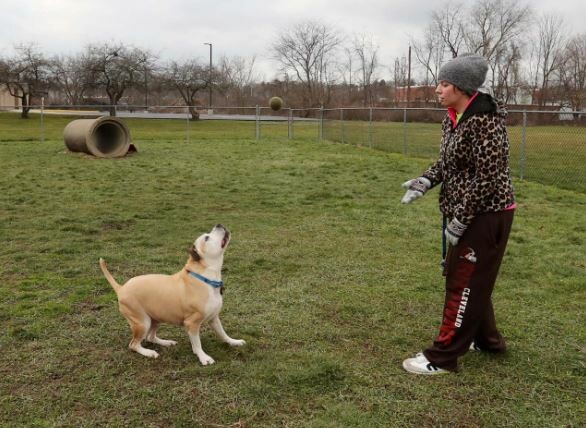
523,146
257,122
187,126
321,123
342,124
370,127
42,120
290,125
405,131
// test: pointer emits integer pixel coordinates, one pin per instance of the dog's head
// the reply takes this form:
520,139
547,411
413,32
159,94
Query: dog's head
210,247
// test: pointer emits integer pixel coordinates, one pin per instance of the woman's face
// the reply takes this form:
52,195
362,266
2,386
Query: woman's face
449,95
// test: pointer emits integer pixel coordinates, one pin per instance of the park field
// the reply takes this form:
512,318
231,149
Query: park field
330,280
553,155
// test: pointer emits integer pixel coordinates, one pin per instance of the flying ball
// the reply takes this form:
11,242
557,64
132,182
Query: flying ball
276,103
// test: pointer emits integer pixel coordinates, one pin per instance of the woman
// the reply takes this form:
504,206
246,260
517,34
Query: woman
477,201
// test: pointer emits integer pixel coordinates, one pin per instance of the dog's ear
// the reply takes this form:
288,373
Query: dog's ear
194,254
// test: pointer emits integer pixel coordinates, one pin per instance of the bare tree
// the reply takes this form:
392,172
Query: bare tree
306,51
188,78
443,35
401,72
494,25
573,72
507,74
367,53
430,53
546,54
347,74
401,79
70,75
116,68
237,75
447,22
25,75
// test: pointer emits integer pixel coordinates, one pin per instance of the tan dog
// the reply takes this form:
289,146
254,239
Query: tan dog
189,297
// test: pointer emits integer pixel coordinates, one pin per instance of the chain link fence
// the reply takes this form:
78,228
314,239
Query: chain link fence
548,147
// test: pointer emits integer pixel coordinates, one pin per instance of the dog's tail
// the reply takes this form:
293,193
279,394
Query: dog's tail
109,276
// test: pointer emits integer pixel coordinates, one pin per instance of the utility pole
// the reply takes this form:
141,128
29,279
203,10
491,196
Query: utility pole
210,78
409,78
146,88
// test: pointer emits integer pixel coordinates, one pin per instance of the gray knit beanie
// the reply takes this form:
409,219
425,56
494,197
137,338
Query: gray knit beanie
467,72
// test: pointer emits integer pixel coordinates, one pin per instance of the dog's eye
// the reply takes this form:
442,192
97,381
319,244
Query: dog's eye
207,237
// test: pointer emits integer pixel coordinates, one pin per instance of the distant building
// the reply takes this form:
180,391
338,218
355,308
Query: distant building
418,96
7,101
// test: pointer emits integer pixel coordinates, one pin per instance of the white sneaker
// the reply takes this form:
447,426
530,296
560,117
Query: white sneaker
420,365
420,357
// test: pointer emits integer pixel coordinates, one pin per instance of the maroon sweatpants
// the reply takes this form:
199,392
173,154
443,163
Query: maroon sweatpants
471,270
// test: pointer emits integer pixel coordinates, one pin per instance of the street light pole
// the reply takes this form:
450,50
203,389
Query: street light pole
210,81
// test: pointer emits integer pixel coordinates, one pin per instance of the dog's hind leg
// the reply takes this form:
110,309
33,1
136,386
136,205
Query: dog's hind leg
216,325
139,332
152,336
193,325
140,324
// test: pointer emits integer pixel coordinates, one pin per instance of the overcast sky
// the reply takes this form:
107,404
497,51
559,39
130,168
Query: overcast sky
177,29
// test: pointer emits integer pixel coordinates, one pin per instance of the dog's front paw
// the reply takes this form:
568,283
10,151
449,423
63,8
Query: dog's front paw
206,360
148,353
235,342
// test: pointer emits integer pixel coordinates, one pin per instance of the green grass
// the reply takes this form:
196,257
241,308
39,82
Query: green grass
554,155
330,280
51,128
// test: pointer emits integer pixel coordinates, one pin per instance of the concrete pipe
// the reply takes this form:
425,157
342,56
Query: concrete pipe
104,137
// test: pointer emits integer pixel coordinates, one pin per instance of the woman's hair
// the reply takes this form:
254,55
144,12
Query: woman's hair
468,92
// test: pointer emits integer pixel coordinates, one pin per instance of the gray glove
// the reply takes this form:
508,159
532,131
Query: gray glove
454,231
416,188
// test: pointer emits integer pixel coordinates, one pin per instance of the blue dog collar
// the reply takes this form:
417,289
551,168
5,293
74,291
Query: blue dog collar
215,284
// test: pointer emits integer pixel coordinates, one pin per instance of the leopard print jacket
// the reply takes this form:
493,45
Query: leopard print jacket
473,165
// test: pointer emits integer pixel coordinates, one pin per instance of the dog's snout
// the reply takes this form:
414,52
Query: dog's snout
221,227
